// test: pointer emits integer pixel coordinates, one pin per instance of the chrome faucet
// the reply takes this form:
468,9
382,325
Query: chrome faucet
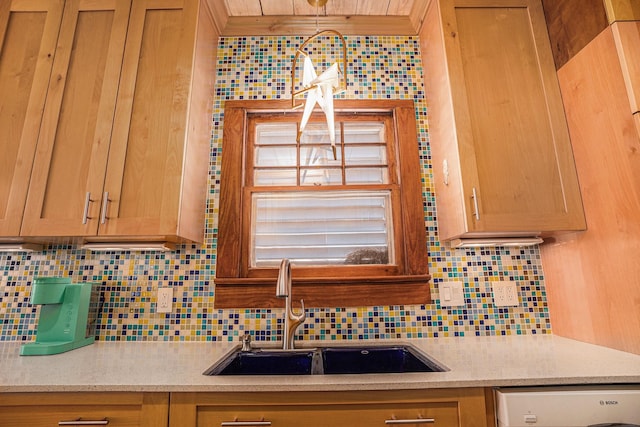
291,319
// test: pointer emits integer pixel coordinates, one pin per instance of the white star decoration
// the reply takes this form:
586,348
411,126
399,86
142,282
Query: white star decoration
321,89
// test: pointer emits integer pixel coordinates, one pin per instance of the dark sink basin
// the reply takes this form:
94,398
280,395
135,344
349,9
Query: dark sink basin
365,359
375,360
265,362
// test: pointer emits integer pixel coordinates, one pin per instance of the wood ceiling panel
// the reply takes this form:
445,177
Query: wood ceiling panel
342,7
244,7
399,7
372,7
332,8
302,7
350,17
277,7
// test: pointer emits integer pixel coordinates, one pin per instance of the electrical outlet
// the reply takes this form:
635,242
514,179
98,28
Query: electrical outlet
451,294
505,294
165,300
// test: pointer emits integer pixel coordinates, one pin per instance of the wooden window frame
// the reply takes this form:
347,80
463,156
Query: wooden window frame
406,282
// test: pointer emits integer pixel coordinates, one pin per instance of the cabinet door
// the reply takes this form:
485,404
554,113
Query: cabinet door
67,179
144,175
506,144
28,35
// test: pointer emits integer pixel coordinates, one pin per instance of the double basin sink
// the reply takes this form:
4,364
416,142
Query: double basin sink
366,359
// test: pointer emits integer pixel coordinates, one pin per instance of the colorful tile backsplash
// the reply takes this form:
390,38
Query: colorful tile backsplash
379,67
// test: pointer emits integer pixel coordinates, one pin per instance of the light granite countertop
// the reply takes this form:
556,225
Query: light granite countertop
176,366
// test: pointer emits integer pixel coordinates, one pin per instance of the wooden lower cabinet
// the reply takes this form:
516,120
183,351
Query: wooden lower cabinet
469,407
53,409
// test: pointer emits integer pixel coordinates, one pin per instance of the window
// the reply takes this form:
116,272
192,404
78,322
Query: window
352,225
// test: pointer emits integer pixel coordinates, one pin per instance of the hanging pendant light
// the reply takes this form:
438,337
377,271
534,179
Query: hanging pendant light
319,89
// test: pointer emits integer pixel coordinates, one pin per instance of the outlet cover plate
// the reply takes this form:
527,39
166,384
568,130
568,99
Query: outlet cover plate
165,300
505,293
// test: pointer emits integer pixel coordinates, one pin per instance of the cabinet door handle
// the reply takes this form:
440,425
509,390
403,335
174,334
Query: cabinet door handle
474,196
81,422
411,421
105,202
244,423
85,214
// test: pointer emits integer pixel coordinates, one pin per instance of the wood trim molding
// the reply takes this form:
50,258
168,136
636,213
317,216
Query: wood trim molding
325,295
301,25
306,25
406,283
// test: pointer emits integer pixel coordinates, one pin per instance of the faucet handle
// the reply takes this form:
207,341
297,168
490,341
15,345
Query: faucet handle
299,317
246,341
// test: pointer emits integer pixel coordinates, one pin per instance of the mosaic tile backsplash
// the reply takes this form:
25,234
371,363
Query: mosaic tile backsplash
379,67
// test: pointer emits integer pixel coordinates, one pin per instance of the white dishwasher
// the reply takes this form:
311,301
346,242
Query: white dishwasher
568,406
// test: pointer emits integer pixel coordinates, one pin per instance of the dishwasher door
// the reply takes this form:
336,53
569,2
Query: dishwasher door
568,406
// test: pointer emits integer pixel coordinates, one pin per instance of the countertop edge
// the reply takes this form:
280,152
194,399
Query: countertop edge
330,387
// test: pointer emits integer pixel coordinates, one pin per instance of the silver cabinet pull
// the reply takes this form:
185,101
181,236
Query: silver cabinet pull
84,423
245,423
474,196
87,200
105,202
411,421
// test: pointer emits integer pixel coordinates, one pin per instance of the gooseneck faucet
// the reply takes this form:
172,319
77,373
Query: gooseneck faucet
291,319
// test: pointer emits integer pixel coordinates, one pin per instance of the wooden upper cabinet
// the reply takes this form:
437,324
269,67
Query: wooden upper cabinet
28,34
502,158
68,174
124,146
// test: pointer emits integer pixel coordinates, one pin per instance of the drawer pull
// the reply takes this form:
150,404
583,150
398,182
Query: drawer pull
244,423
81,422
85,213
410,421
105,203
474,196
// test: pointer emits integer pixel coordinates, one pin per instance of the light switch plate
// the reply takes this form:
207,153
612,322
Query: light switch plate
451,294
165,300
505,293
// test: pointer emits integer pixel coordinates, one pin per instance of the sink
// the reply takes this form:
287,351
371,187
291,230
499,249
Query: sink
365,359
376,360
265,362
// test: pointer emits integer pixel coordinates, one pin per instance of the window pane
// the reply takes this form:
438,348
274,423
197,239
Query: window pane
275,155
367,176
318,133
324,176
322,228
365,154
319,155
276,133
274,177
359,132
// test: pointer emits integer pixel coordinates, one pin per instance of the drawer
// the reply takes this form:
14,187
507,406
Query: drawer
444,414
112,409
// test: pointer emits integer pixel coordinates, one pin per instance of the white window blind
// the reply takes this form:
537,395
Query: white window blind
322,228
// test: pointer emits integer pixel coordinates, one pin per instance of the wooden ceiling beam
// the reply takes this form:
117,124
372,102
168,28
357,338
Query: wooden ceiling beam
306,25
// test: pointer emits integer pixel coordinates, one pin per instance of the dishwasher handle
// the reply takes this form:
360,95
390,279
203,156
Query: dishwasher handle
613,425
